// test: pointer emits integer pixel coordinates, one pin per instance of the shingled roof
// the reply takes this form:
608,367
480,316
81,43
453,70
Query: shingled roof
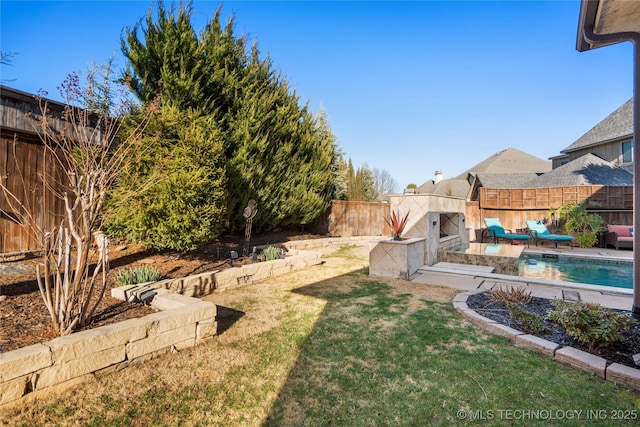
616,125
504,169
508,161
585,170
506,180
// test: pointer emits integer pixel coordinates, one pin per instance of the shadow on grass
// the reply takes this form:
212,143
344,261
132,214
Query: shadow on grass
226,317
377,355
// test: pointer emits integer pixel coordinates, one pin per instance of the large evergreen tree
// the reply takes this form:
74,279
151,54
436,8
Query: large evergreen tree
173,195
168,62
275,151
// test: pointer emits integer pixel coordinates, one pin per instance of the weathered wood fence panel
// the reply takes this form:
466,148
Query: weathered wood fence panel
32,177
347,218
28,170
554,197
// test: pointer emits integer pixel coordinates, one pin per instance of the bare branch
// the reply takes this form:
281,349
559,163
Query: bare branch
82,144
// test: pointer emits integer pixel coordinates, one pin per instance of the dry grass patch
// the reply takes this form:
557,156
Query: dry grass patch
288,357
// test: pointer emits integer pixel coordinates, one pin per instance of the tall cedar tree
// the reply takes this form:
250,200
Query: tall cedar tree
173,195
273,149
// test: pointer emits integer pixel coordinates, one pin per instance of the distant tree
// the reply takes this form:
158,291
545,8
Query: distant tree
352,187
340,175
369,191
384,182
360,183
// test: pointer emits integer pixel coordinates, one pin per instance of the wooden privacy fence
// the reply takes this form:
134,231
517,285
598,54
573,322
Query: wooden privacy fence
32,176
347,218
554,197
514,206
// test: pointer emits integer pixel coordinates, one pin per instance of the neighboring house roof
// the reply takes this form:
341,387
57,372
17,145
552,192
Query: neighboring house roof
506,180
447,187
452,187
502,170
427,187
617,125
585,170
510,160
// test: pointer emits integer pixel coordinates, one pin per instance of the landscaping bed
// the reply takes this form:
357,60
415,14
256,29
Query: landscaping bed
620,352
24,319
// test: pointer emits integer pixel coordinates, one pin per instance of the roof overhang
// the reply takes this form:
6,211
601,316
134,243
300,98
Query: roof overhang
607,17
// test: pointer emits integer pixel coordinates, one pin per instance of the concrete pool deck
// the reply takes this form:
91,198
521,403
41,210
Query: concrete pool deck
469,277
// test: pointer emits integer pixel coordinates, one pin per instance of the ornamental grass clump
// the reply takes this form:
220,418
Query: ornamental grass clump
272,253
142,274
517,295
589,323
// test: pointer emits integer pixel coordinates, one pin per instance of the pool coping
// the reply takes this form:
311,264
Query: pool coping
577,359
528,280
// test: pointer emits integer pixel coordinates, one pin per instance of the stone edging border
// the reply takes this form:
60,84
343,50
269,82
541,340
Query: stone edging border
573,357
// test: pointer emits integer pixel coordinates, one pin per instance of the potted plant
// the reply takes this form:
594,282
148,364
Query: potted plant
396,224
577,220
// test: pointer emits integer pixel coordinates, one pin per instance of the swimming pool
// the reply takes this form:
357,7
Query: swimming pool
577,270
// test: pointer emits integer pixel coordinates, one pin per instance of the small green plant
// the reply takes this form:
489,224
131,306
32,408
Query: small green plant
141,274
272,253
578,220
531,322
590,323
126,277
396,224
517,295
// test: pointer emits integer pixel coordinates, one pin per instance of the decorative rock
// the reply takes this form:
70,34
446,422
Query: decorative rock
636,359
3,298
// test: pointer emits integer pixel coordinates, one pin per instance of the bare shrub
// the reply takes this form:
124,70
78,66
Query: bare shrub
82,141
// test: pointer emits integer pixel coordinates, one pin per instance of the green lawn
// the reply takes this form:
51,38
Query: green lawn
345,350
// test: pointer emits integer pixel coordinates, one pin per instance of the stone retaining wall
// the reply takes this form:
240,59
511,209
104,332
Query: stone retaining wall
206,283
184,321
40,368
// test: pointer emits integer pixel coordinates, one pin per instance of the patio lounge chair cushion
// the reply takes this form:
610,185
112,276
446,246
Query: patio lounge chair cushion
540,231
497,231
619,236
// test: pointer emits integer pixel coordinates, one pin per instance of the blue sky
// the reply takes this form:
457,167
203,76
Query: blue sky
409,87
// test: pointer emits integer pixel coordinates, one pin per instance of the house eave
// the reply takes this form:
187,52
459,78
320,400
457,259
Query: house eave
606,18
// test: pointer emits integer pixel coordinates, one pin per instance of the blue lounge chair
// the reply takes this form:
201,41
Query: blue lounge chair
539,232
497,231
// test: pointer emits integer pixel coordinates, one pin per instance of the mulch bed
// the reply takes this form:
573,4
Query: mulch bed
24,319
620,352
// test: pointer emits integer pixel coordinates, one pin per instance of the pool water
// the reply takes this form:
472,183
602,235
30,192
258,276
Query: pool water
578,270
